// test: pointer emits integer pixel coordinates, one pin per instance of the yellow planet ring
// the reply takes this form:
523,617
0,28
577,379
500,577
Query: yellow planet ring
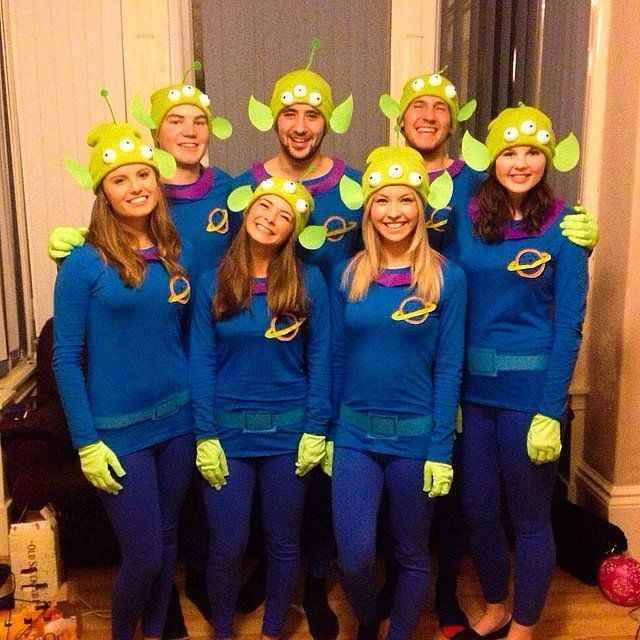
287,333
333,235
417,316
183,296
430,224
534,268
218,227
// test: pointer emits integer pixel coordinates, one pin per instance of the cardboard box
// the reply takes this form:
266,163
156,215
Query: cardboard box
35,556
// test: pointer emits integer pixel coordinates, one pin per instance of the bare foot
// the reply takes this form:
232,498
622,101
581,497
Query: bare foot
494,617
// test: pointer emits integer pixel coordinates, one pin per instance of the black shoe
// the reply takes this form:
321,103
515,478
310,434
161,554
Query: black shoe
369,631
195,589
174,627
323,622
498,634
252,592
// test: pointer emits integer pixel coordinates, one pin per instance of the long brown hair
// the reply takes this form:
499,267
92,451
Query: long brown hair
364,268
285,290
495,211
115,242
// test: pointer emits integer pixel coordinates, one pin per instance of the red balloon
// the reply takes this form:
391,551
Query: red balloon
619,579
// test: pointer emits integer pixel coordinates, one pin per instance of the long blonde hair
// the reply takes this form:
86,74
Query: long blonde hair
366,265
285,290
114,242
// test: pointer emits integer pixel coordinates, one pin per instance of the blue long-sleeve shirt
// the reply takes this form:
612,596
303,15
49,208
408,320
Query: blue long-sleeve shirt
200,215
513,320
393,367
328,210
135,348
236,371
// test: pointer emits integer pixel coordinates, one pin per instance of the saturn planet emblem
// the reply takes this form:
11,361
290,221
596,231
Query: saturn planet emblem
284,333
337,227
179,290
413,310
532,269
218,221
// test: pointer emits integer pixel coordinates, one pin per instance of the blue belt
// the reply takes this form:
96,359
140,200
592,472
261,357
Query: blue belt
486,362
385,425
161,409
259,421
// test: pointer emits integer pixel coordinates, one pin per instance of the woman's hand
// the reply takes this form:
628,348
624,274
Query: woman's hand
437,478
543,439
212,462
311,451
95,460
63,240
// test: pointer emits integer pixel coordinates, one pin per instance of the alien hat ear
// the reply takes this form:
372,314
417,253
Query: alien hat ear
389,107
166,163
221,128
141,114
475,153
440,191
566,154
260,115
313,237
340,119
79,173
350,193
239,198
467,110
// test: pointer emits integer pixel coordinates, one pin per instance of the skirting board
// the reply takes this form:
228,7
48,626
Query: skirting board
619,504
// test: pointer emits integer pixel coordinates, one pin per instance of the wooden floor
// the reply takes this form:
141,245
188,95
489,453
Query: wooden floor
573,611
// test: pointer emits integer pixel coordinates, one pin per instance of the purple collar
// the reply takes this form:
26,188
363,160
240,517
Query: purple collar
394,277
315,186
258,286
193,191
149,254
453,170
515,231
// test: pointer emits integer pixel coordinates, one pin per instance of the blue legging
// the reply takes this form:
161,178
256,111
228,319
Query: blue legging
493,453
144,516
359,478
282,496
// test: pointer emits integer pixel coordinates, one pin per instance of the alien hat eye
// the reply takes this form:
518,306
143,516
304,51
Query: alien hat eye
315,98
302,205
126,144
417,84
188,90
435,80
267,184
289,186
450,91
415,179
299,91
543,136
203,98
174,95
146,151
286,98
528,127
108,156
510,134
374,179
395,171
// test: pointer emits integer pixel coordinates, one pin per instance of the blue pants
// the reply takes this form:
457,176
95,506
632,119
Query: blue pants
144,516
359,478
282,496
494,453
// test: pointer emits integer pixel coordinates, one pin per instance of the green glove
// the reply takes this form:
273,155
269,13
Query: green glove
543,439
437,478
311,451
212,462
327,461
63,240
95,460
580,228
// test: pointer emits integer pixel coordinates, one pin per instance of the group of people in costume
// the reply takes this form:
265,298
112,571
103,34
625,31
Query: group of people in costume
315,338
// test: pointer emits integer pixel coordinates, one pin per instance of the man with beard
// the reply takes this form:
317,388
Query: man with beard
302,110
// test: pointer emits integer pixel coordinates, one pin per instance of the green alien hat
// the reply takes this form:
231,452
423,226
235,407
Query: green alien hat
302,86
387,166
163,100
293,193
521,126
428,84
115,144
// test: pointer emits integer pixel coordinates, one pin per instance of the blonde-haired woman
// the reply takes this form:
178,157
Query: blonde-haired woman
261,385
398,310
123,296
